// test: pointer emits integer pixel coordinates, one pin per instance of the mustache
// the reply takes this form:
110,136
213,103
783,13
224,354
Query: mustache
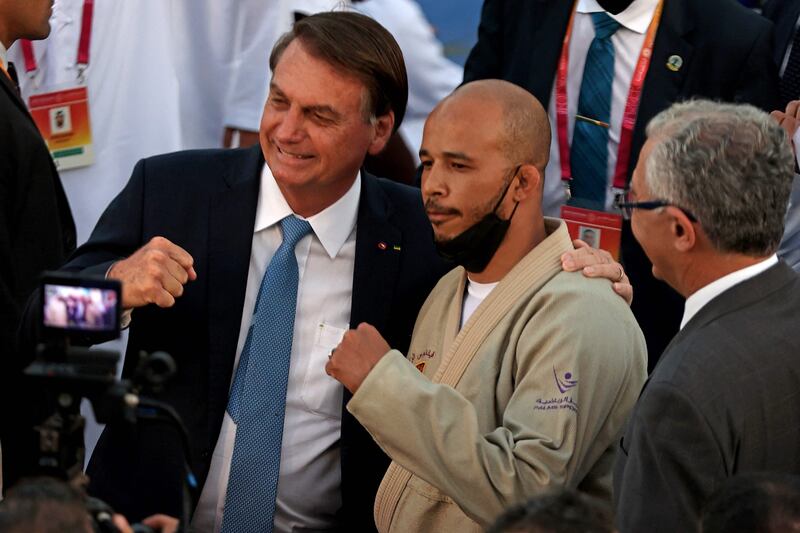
432,205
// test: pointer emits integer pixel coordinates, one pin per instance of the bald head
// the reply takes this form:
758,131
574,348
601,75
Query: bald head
523,130
483,156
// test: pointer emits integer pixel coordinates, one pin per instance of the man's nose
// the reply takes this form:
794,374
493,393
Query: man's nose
291,126
432,182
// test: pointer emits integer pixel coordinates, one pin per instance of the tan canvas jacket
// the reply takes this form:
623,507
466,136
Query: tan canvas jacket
530,394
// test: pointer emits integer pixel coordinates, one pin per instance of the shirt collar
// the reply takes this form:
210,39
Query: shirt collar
332,226
699,299
636,17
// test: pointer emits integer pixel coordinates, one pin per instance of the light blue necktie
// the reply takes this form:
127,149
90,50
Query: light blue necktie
258,396
589,153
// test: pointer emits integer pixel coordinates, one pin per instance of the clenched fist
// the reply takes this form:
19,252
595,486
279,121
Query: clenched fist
154,274
357,354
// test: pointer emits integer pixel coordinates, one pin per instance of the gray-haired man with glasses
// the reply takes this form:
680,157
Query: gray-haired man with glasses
707,204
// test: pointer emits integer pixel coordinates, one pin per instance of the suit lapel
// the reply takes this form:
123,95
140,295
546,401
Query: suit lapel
663,86
553,17
377,261
231,219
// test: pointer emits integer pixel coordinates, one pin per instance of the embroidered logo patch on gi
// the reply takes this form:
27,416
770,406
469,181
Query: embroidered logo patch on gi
419,359
564,383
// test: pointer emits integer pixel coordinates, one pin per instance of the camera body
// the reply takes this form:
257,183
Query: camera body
76,313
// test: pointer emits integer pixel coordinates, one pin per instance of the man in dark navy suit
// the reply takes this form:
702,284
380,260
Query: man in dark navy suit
714,49
191,237
36,230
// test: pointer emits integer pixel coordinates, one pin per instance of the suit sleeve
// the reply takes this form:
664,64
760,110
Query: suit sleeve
485,61
118,233
434,431
672,463
116,236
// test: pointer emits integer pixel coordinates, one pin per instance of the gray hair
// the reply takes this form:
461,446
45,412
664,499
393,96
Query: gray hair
730,165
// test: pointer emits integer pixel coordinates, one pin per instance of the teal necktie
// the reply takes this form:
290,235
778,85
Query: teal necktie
589,152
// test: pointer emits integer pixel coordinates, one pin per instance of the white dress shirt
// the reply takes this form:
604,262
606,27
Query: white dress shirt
699,299
628,42
310,473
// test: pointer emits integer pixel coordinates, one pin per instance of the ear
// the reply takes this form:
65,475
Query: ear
684,233
529,182
383,127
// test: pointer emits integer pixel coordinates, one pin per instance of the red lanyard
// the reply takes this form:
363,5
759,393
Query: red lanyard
631,107
83,42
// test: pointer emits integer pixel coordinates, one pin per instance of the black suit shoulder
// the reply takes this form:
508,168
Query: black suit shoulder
775,10
732,41
191,170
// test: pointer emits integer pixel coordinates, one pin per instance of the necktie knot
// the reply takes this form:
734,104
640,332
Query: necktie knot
294,229
604,25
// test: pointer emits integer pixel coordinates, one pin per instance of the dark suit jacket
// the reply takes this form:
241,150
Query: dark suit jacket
723,400
36,233
205,201
726,51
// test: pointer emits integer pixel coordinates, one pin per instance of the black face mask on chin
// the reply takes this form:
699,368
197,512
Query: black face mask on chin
615,7
474,247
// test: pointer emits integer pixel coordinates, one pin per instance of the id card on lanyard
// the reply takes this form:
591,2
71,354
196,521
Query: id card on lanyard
62,112
585,222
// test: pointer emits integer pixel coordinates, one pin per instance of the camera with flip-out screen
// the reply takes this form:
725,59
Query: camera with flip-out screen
83,308
78,312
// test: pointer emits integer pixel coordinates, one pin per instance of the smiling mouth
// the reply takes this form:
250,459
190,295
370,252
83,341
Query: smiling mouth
293,155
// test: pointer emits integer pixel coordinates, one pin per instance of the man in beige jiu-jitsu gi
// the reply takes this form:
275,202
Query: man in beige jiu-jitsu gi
520,376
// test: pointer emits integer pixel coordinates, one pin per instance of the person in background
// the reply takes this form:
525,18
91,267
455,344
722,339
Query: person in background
37,233
682,53
765,502
564,511
785,14
49,505
718,401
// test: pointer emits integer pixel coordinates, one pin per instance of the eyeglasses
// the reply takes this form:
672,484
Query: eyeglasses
624,204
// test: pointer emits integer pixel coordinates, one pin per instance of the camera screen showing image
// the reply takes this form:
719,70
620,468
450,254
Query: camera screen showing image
85,305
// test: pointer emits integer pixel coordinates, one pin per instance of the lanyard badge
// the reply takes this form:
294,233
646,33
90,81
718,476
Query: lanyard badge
62,112
598,228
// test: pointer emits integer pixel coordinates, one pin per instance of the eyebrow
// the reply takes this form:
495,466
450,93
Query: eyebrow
449,155
323,109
